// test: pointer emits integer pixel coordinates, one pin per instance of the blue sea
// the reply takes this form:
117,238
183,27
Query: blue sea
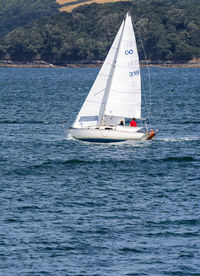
88,209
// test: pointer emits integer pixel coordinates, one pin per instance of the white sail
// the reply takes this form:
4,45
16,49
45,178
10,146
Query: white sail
124,98
94,105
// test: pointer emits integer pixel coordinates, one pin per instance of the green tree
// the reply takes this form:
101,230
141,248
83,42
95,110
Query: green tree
18,46
16,13
183,52
2,51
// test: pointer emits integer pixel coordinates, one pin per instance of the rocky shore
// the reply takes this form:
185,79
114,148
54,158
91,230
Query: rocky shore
43,64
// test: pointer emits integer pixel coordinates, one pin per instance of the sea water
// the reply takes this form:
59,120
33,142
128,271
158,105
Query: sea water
77,208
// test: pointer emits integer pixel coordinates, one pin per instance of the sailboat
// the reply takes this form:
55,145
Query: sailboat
115,95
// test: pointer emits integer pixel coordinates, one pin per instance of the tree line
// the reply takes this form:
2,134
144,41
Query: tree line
17,13
168,30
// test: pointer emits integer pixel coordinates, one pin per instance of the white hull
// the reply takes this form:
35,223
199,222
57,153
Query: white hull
107,134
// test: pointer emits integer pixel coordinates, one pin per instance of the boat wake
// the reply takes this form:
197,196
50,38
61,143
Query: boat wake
70,137
178,139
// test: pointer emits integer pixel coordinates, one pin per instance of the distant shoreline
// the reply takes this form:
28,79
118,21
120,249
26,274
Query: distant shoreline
93,65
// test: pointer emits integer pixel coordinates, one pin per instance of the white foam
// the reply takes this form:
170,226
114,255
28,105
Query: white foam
178,139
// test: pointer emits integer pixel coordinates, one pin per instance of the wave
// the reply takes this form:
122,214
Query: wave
179,139
132,250
24,170
189,122
14,122
189,221
125,164
180,159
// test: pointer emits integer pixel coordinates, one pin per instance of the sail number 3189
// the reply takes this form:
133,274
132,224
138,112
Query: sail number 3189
134,73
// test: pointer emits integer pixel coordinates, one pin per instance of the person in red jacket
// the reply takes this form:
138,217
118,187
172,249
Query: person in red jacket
133,123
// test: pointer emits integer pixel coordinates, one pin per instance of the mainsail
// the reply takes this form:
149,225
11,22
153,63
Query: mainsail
95,101
116,92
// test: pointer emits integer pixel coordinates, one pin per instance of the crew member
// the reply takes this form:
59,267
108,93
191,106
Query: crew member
133,123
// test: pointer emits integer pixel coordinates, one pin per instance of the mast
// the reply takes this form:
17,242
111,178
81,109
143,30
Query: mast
106,94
